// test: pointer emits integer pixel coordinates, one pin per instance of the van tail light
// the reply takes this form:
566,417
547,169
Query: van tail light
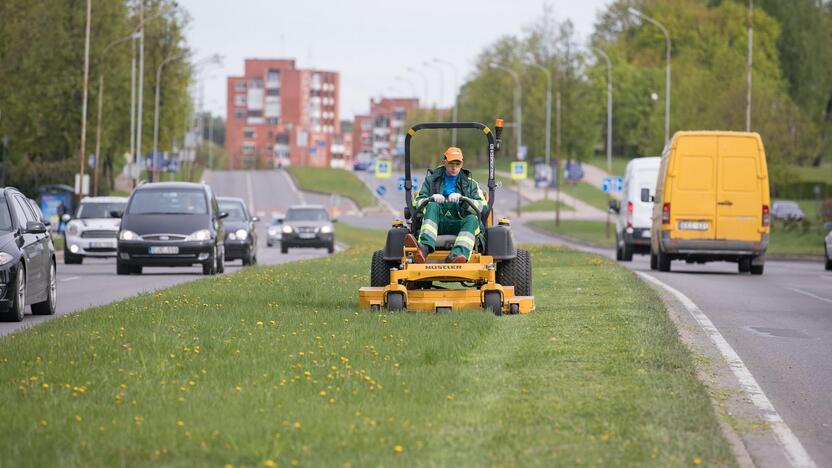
666,213
766,216
629,214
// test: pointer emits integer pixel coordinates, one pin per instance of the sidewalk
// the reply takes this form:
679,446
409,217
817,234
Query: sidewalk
594,175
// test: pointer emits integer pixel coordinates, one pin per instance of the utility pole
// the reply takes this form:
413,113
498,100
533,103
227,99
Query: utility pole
141,82
457,92
609,127
557,153
750,63
156,112
84,99
548,144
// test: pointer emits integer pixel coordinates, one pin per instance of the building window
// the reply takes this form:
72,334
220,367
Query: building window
240,100
273,92
273,76
248,148
248,133
240,86
239,114
255,113
256,84
282,139
272,120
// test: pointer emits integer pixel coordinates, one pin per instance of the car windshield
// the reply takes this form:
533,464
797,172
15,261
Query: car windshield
5,217
176,202
98,210
235,210
307,214
277,221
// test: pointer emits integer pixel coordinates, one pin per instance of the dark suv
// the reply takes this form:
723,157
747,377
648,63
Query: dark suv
307,226
171,224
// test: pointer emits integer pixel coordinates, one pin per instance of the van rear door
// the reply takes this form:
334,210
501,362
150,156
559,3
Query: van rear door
692,188
739,196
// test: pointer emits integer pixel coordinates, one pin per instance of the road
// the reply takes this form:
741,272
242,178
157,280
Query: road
95,281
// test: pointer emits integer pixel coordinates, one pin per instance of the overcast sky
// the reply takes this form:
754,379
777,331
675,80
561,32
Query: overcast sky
369,42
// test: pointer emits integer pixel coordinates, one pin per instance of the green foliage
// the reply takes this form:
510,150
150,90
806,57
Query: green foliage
41,78
27,175
337,181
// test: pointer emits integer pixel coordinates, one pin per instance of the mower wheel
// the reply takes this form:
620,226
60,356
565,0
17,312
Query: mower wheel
380,270
494,303
514,309
517,272
395,301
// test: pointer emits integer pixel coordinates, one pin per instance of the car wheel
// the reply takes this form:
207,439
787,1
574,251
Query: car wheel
627,252
15,312
269,244
47,307
618,254
284,248
122,268
654,261
331,248
72,259
663,261
828,262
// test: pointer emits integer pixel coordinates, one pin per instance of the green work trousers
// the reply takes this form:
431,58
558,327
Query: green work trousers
444,219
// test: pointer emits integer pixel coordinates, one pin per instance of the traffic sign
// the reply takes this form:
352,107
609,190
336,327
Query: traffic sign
414,180
612,184
519,170
381,190
384,169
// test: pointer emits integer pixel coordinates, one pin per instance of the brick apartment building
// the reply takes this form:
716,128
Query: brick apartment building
381,133
280,114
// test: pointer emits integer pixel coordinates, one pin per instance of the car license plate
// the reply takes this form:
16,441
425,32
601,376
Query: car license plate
693,225
307,235
102,245
645,233
163,250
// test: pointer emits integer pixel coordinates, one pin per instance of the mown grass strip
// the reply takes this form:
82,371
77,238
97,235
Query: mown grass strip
276,364
582,231
589,194
546,205
338,181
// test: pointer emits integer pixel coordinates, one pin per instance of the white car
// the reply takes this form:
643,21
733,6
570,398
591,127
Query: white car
828,249
93,230
635,212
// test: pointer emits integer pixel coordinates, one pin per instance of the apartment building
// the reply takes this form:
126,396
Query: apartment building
381,133
278,114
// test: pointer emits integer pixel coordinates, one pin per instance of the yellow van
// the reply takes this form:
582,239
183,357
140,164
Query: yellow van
712,201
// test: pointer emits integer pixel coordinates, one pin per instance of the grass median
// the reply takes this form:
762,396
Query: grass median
338,181
583,231
276,366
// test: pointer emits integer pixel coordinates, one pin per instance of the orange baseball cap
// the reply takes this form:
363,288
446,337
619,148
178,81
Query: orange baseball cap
453,154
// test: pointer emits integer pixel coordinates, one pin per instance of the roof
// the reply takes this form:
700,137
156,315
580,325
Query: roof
104,200
301,207
169,185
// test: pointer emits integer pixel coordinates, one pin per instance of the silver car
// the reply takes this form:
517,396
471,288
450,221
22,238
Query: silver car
786,210
93,230
275,231
828,249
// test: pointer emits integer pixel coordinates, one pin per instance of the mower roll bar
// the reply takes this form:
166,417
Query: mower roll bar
492,148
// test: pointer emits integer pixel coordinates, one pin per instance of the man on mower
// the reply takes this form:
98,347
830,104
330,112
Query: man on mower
447,201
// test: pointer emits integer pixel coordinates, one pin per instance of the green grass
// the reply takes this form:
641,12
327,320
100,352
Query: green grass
338,181
259,366
618,164
814,174
545,205
588,194
796,239
587,232
58,241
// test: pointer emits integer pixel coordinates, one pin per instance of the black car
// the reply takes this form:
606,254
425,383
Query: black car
240,234
171,224
27,259
307,226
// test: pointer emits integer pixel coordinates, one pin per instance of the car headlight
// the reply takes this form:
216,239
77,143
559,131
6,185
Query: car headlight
5,258
273,232
242,234
287,229
127,235
201,235
72,230
326,229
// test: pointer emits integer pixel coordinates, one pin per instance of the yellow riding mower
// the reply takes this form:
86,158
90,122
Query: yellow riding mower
497,277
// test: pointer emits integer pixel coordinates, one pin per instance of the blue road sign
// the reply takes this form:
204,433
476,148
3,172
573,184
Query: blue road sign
612,184
381,190
400,184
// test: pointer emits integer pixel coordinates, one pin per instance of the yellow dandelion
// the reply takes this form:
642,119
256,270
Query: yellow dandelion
450,397
180,423
296,425
77,418
322,393
238,388
45,386
697,461
269,464
398,449
44,422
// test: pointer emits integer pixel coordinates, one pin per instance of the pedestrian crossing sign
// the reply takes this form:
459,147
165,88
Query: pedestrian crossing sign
384,169
519,170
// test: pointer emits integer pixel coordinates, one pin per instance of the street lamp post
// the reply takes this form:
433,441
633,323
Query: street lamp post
84,99
641,15
455,113
750,63
425,79
156,112
410,83
441,80
548,144
517,115
609,126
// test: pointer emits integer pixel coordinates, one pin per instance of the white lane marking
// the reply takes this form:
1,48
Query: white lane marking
249,192
294,188
71,278
807,293
792,448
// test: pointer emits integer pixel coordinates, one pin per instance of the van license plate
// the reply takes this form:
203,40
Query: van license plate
164,250
102,245
693,225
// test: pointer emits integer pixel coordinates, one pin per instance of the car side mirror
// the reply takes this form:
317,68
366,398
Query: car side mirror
652,198
35,227
222,215
255,219
46,222
645,195
614,206
66,218
116,214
